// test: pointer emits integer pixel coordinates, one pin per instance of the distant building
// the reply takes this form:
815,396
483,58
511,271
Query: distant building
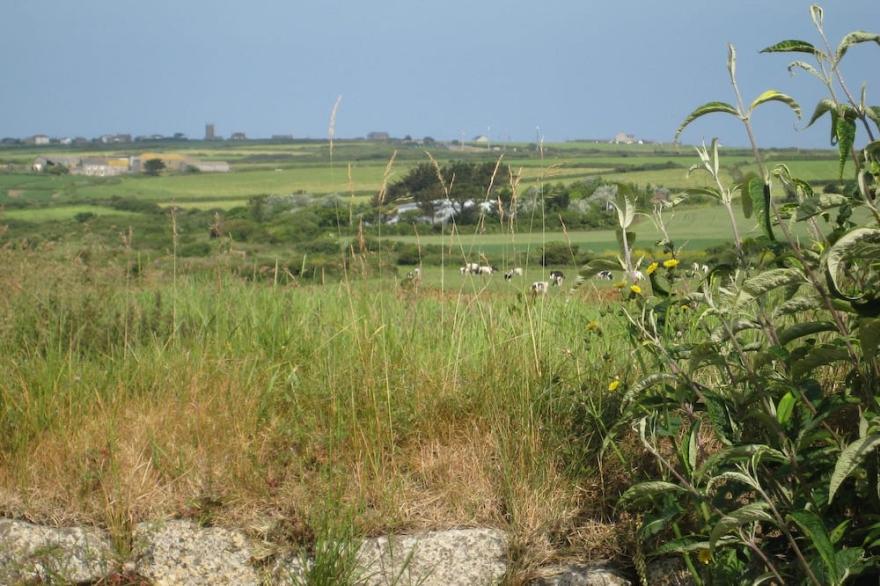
481,139
38,139
115,138
624,138
209,132
210,166
378,136
103,166
238,136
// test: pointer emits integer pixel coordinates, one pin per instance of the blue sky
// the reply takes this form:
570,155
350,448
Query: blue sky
574,68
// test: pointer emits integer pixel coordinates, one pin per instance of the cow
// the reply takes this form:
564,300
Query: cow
557,277
486,270
539,288
515,272
415,275
472,268
604,275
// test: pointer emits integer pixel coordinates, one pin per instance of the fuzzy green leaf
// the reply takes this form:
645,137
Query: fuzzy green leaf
873,113
817,204
772,279
776,96
645,491
791,46
854,38
869,337
822,108
750,513
811,525
818,356
597,265
648,382
805,66
850,459
845,131
708,108
849,246
797,305
804,329
785,407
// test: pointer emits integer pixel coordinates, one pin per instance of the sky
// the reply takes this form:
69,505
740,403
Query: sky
512,69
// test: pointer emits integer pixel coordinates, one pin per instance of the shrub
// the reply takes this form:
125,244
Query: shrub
760,391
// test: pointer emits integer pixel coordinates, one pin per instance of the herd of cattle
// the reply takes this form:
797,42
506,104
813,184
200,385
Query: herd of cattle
556,277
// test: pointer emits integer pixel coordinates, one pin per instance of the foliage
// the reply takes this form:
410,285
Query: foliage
154,166
760,398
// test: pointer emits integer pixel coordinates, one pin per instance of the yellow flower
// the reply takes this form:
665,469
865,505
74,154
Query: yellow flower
704,556
614,384
636,289
671,263
651,268
592,326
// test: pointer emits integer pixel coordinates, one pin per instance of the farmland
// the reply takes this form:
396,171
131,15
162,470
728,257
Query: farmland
256,349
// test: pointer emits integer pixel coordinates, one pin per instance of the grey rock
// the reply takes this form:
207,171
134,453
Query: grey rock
181,552
669,572
439,558
64,554
580,575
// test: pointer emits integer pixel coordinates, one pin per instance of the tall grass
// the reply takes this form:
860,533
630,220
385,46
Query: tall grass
169,394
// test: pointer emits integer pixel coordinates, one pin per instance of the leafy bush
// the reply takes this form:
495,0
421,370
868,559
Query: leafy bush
760,393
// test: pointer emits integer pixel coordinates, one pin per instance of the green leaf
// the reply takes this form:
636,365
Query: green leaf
845,131
873,113
776,96
806,67
855,38
817,204
869,337
648,382
850,459
645,491
811,525
769,280
791,46
797,305
750,513
804,329
785,407
816,357
849,562
708,108
747,204
849,246
822,108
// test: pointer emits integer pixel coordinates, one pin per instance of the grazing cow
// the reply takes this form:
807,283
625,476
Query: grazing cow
604,275
486,270
472,268
539,288
516,272
557,277
415,274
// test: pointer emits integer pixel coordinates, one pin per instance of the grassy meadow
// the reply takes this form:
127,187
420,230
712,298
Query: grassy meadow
147,370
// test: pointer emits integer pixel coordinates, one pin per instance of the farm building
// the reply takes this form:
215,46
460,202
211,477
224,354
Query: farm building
624,138
238,136
378,136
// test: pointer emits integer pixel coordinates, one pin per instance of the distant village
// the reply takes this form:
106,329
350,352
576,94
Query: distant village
112,166
108,166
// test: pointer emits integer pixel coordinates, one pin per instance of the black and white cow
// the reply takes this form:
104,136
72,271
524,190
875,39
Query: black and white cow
604,275
515,272
557,277
539,288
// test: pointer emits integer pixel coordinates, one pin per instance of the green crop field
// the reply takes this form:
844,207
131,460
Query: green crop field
61,213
